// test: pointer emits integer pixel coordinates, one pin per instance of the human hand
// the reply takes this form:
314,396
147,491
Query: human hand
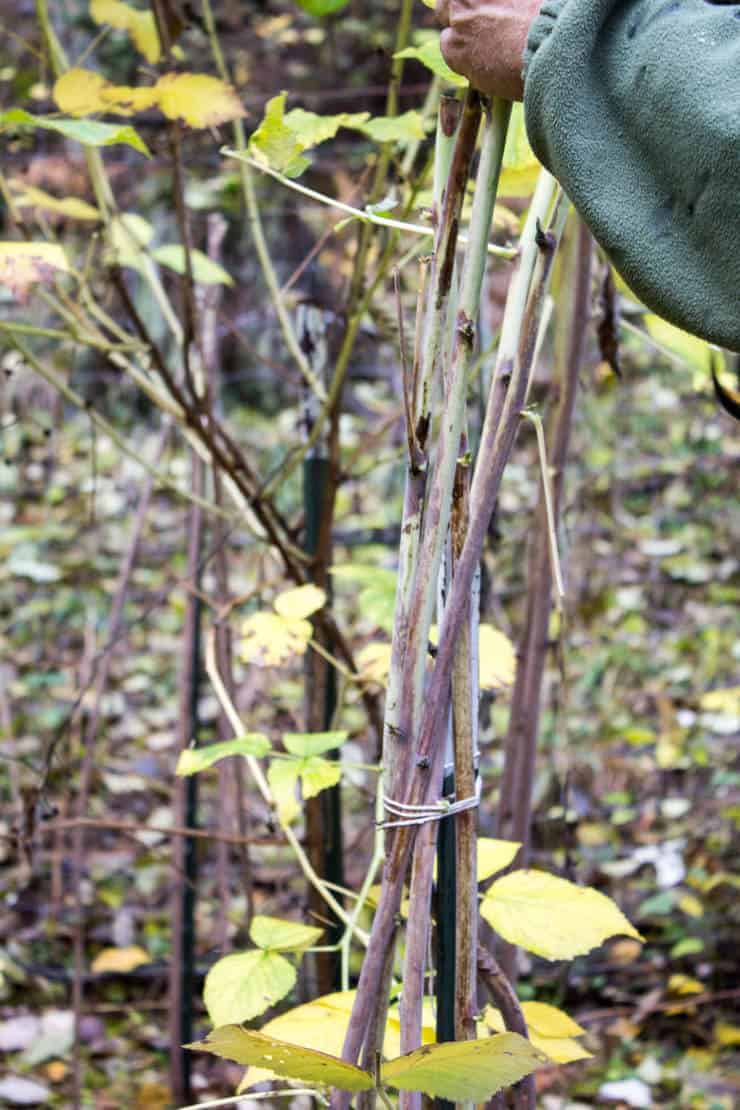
485,39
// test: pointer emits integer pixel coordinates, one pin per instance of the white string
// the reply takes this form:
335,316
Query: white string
420,815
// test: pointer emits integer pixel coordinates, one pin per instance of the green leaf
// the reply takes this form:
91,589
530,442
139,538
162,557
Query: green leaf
276,935
282,775
313,773
318,774
305,744
428,52
377,597
322,7
395,129
312,129
275,144
86,131
292,1061
550,916
205,270
245,984
130,235
464,1071
193,760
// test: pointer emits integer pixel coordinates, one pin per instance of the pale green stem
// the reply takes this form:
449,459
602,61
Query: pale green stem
437,513
536,419
69,336
360,214
249,1096
361,898
255,221
264,788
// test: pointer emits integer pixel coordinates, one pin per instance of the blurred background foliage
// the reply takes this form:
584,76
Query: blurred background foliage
637,776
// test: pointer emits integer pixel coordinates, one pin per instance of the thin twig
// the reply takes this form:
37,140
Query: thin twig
363,215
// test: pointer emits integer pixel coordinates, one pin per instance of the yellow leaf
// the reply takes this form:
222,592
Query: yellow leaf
374,662
56,1070
124,100
691,905
684,984
71,207
592,834
392,1044
726,1034
494,855
520,167
290,1060
549,1021
624,952
550,916
722,701
78,92
270,640
561,1050
300,602
23,264
493,1020
497,658
560,1046
120,960
197,99
694,352
141,26
464,1070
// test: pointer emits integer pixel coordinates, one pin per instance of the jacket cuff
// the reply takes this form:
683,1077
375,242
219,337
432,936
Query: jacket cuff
541,29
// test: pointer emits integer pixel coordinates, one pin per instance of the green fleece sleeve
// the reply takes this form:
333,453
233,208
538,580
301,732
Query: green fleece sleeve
634,105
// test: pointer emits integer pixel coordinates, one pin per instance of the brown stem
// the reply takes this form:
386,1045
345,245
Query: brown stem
182,855
89,744
189,311
228,458
230,773
494,452
135,828
514,821
502,993
411,783
464,721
